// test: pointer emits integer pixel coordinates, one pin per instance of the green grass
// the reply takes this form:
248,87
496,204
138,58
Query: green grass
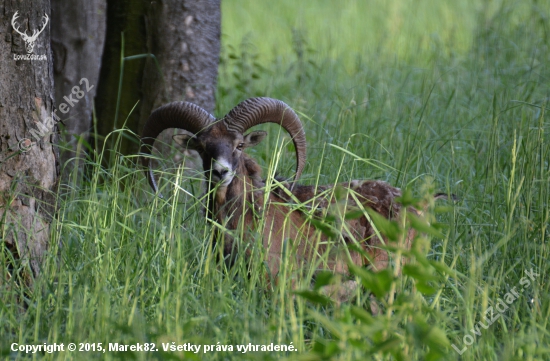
452,94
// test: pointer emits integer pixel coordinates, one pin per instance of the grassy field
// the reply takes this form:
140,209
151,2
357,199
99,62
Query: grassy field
445,96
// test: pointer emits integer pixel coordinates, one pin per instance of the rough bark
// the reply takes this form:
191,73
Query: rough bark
78,35
28,179
183,36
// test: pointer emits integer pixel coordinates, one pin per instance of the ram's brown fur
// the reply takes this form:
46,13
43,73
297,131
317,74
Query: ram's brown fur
237,192
288,221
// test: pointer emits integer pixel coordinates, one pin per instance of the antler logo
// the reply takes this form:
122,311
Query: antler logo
29,40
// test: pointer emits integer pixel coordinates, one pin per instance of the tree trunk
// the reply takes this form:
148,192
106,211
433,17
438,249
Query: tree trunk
78,35
183,36
115,101
185,39
29,165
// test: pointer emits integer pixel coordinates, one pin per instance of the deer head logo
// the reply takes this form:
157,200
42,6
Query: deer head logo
29,40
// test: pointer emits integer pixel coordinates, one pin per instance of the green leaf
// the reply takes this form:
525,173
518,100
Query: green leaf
407,198
419,272
388,228
437,339
353,214
423,276
441,267
314,297
423,226
326,229
426,288
434,355
322,279
378,283
362,315
387,345
326,348
340,193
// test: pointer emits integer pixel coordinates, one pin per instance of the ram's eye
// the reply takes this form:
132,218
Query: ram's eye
240,146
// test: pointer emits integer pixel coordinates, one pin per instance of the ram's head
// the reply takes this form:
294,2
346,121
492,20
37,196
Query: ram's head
220,142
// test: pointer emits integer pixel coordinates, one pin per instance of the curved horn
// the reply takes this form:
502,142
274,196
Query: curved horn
182,115
254,111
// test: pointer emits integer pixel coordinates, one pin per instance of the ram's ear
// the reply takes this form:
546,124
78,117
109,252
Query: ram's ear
253,138
187,141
